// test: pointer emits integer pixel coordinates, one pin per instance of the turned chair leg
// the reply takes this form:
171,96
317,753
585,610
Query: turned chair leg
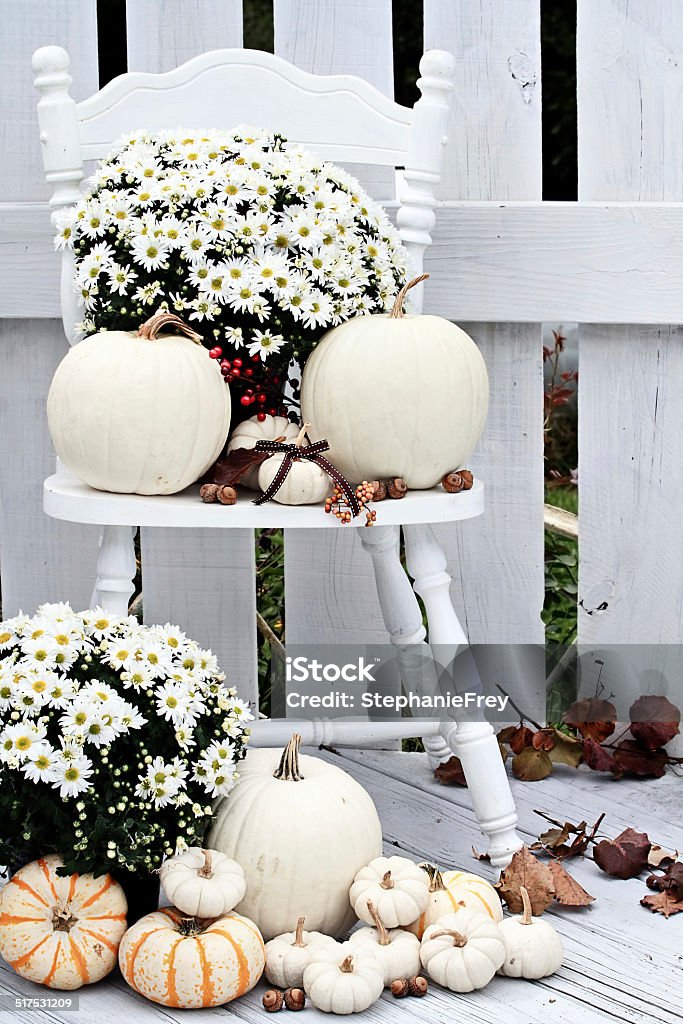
402,617
474,742
114,586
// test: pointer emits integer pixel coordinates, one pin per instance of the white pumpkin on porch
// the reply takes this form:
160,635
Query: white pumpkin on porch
301,828
139,413
396,395
270,428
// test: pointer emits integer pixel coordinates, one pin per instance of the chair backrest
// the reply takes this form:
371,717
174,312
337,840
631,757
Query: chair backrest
340,117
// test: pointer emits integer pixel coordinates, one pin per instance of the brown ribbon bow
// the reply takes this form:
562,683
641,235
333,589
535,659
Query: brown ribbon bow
312,453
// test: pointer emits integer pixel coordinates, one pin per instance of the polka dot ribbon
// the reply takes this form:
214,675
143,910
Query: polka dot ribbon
312,453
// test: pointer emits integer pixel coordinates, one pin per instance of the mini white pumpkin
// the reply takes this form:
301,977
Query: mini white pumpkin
397,951
248,432
288,954
463,951
416,410
451,890
343,979
305,484
203,883
136,413
397,887
533,949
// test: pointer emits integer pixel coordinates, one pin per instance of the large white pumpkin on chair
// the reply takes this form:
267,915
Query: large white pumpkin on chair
396,395
301,828
139,413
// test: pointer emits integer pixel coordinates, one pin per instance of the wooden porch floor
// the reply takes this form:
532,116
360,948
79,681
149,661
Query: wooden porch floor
622,963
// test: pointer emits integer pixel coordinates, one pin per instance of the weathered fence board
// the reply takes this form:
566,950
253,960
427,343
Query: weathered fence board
330,594
40,558
203,579
494,153
630,82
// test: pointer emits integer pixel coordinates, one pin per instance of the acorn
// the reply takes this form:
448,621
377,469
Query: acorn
417,986
273,1000
295,998
399,988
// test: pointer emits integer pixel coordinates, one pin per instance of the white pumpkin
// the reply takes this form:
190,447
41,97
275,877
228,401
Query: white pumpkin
305,484
463,951
451,890
288,954
533,949
203,883
248,432
396,951
343,980
301,829
137,413
397,887
415,409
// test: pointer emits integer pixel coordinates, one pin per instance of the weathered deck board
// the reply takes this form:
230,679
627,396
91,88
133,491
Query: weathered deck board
622,964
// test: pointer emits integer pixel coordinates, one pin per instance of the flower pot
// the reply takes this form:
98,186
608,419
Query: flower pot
142,893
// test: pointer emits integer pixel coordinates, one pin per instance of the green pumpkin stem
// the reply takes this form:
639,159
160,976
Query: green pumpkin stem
288,768
397,312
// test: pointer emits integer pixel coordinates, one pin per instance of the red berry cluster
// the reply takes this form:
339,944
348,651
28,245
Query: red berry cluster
235,372
338,504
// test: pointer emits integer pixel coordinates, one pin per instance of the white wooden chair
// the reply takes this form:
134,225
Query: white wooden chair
346,120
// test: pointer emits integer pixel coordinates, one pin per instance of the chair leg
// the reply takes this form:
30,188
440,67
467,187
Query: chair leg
115,570
474,742
402,615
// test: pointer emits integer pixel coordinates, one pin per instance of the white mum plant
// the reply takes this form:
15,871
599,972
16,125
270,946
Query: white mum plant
262,244
114,739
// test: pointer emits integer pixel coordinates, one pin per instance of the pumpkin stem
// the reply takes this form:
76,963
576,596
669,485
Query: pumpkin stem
458,938
62,918
397,309
189,926
346,966
387,881
384,939
150,329
300,436
206,870
526,900
436,882
299,934
288,768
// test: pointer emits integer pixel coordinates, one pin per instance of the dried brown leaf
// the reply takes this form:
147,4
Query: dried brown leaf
662,903
659,857
654,721
531,765
599,759
544,739
523,737
568,892
229,468
451,773
525,870
593,717
671,881
632,759
565,749
625,856
480,856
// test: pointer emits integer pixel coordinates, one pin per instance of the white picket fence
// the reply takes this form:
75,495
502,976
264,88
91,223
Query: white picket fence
502,262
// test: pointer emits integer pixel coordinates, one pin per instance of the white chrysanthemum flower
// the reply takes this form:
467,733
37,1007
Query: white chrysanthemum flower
65,221
120,278
17,740
149,252
265,343
40,763
70,773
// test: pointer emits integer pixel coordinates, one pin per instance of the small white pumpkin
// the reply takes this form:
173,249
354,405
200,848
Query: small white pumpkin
397,887
416,410
397,951
247,433
137,413
451,890
288,954
305,484
203,883
343,979
533,949
463,951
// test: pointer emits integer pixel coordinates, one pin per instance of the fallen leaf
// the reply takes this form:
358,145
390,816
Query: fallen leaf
451,773
522,738
505,735
555,839
662,903
525,870
556,836
544,739
632,759
625,856
228,469
568,892
531,765
658,856
480,856
599,759
565,750
671,881
654,721
594,718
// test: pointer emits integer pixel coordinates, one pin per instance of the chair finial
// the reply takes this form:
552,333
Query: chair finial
439,64
51,66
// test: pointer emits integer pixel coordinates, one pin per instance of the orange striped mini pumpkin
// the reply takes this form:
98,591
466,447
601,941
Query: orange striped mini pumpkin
450,891
63,932
181,961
